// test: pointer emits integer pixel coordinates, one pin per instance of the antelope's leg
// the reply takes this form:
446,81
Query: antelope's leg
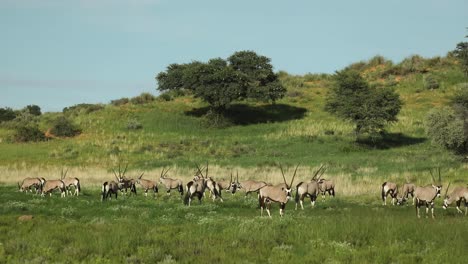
268,208
458,206
282,205
417,209
312,200
432,209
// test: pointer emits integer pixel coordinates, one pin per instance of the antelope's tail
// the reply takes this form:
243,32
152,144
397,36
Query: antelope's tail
181,189
296,198
78,186
104,185
383,192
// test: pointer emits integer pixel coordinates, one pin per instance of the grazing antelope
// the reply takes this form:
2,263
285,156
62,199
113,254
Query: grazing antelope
249,186
229,186
326,186
196,187
407,189
278,194
49,186
310,188
69,182
389,188
426,195
458,195
29,183
109,188
147,185
212,186
124,183
171,183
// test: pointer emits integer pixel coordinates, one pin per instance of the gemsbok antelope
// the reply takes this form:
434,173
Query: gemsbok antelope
124,183
389,188
249,186
326,186
69,183
29,183
195,188
277,194
310,188
147,185
426,195
49,186
458,195
171,183
109,188
407,189
228,185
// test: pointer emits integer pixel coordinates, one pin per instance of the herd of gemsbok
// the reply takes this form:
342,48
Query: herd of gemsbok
267,193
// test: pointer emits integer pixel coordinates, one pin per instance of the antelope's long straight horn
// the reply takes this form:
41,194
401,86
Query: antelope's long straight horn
446,190
321,173
125,170
440,178
292,180
317,172
237,178
65,173
282,172
141,175
165,172
199,170
231,176
115,174
206,175
432,176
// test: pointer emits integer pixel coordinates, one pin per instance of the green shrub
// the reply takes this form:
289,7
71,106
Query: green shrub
446,129
133,124
63,127
165,97
143,98
27,133
82,108
121,101
7,114
430,82
33,110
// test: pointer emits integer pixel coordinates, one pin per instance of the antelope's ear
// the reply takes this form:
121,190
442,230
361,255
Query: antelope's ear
282,188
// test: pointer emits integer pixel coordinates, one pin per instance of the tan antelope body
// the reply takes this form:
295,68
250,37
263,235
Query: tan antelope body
109,188
171,183
309,189
29,183
458,195
125,183
251,186
213,187
407,189
389,188
51,185
228,185
426,195
147,185
69,182
326,186
277,194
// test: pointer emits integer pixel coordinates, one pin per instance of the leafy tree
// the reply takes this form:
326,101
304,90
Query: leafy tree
461,53
446,128
33,110
7,114
370,109
220,82
63,127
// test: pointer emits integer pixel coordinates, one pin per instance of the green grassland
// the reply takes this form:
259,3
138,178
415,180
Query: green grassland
163,230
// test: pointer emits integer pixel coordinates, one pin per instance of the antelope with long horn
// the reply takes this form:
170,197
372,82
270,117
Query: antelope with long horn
69,183
250,186
212,186
310,188
389,188
229,186
458,195
426,195
326,186
50,185
195,188
124,183
407,189
171,183
277,194
29,183
109,188
147,185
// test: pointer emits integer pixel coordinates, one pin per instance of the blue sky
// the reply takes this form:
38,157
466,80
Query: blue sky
60,53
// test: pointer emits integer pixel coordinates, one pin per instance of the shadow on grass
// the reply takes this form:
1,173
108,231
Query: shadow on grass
390,140
242,114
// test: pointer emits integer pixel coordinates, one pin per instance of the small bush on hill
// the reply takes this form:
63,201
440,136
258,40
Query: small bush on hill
430,82
121,101
82,108
33,110
27,133
143,98
134,124
63,127
7,114
446,129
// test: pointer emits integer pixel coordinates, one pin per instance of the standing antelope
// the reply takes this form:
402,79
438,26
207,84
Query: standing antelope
124,183
29,183
147,185
310,188
458,195
249,186
278,194
69,182
426,195
171,183
212,186
226,185
49,186
109,188
196,187
407,189
326,186
389,188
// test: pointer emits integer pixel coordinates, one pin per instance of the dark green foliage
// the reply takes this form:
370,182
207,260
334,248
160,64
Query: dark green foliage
143,98
33,110
120,101
369,108
430,82
28,132
446,128
460,97
82,108
7,114
220,82
461,53
63,127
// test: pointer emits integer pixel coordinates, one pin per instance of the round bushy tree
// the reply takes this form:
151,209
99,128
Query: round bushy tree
446,128
370,109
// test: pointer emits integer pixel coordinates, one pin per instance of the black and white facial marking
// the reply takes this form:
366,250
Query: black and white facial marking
438,188
446,202
401,200
288,192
